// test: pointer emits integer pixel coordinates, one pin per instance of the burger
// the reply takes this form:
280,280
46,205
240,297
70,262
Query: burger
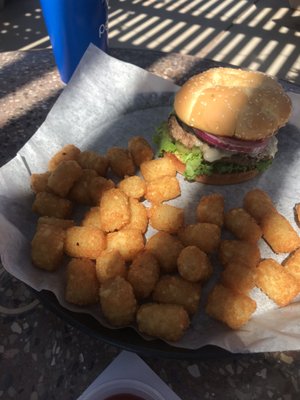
223,125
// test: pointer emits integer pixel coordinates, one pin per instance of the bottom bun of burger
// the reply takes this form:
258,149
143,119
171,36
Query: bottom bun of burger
215,179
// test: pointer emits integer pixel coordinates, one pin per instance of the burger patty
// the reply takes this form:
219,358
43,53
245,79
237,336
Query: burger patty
188,139
186,136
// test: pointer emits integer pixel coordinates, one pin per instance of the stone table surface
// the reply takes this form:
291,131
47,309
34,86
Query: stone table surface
43,356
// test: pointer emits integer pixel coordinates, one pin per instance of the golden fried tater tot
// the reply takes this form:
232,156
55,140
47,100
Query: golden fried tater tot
128,242
233,309
68,152
120,162
143,274
194,265
110,264
279,233
93,160
117,301
61,223
80,190
157,168
292,264
211,209
114,210
176,290
133,186
162,189
47,247
164,321
92,218
239,251
140,150
39,182
82,286
238,277
242,225
274,280
97,187
64,176
258,203
204,235
84,242
166,248
165,217
138,216
50,205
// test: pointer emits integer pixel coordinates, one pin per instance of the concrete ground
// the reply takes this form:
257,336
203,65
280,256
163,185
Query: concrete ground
258,34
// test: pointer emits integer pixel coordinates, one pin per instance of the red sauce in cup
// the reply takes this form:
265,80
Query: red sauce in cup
124,396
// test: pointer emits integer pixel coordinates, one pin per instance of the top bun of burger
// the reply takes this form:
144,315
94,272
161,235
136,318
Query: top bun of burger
241,104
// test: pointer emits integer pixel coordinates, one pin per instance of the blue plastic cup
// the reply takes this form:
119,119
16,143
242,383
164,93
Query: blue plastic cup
72,25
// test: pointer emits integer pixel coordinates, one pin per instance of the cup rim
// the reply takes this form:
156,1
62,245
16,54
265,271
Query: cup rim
124,385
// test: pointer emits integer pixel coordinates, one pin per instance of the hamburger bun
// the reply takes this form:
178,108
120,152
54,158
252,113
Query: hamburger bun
235,103
215,179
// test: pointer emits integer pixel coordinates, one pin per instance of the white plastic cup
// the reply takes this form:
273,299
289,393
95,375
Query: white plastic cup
122,386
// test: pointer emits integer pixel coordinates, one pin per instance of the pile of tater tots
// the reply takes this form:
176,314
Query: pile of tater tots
155,283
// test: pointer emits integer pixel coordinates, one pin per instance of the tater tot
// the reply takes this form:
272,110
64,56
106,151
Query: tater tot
194,265
162,189
166,248
110,264
258,203
97,187
47,247
211,209
68,152
273,279
157,168
133,186
39,182
140,150
128,242
92,218
121,162
239,251
292,264
279,233
50,205
93,160
165,321
242,225
233,309
117,301
176,290
82,286
61,223
165,217
84,242
238,277
143,274
80,190
114,210
64,176
204,235
138,216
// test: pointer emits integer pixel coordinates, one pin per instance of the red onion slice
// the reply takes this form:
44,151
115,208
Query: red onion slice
230,144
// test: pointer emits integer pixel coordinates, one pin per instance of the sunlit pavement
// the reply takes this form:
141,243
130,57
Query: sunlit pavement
262,35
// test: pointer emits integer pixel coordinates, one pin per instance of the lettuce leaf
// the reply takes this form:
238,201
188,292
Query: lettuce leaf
193,158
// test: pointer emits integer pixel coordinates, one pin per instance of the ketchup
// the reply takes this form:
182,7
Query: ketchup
124,396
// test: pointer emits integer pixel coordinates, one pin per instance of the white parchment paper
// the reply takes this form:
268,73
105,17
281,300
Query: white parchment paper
106,102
